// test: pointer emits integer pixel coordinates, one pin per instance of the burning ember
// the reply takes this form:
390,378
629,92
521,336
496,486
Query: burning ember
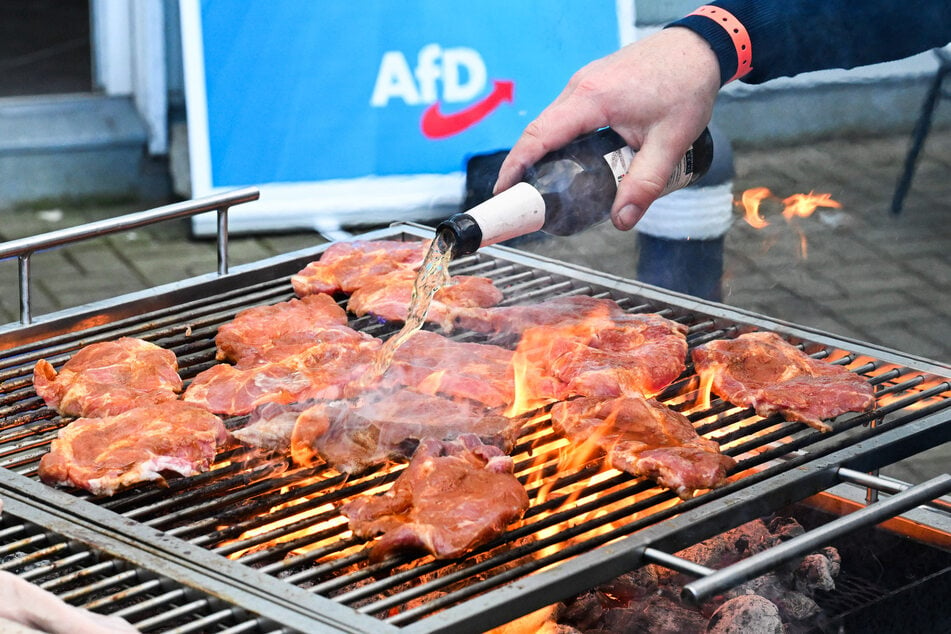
647,599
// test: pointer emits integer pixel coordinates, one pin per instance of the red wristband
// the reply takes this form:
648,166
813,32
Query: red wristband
737,32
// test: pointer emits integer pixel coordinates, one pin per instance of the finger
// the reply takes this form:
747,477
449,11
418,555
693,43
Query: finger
644,182
557,126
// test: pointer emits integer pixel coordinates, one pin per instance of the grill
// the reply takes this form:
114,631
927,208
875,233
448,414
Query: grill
259,539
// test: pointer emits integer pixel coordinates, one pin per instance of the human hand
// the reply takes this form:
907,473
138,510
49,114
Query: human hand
657,93
23,603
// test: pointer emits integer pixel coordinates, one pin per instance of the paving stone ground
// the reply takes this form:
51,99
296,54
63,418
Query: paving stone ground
858,272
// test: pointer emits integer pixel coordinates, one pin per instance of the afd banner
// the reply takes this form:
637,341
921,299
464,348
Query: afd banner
359,113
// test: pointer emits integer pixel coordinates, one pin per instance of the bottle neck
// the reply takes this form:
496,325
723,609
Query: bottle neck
515,212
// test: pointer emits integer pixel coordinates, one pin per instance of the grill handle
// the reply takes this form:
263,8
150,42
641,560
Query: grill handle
24,248
702,589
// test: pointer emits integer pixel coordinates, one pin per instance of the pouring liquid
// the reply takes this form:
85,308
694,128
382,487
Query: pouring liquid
433,275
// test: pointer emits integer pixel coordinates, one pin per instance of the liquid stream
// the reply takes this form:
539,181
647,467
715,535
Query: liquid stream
433,275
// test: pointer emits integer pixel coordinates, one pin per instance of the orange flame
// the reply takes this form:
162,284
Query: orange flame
795,206
706,387
528,357
803,205
751,200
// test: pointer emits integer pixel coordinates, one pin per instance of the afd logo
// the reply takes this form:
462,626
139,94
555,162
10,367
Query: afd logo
461,73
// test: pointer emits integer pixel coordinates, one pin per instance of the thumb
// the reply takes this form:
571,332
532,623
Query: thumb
644,182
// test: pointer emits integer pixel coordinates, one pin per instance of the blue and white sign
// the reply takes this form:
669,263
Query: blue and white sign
347,114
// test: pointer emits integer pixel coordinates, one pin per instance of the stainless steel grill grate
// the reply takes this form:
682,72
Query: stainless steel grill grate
271,529
91,579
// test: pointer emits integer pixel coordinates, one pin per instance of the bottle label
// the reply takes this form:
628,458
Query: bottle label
620,161
682,175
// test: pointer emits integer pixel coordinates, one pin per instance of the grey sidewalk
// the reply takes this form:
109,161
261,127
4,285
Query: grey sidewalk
858,271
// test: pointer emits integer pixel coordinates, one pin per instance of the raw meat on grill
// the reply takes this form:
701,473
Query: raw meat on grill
321,371
763,371
451,498
271,333
271,425
644,437
388,297
353,436
434,364
345,266
621,355
103,455
107,378
511,321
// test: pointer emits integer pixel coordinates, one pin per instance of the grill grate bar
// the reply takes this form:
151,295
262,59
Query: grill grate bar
86,578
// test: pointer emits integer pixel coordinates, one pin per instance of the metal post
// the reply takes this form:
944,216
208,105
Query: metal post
26,315
223,240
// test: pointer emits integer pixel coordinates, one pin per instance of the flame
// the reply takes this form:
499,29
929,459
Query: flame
569,460
535,349
538,349
750,201
803,205
704,390
795,206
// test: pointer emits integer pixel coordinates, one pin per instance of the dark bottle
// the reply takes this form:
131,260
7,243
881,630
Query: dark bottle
568,190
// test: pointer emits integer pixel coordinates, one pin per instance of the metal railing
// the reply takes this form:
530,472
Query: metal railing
24,248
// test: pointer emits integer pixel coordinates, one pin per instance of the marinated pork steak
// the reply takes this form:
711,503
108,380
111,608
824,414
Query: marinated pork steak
431,363
271,425
388,297
451,498
624,355
353,436
103,455
345,266
321,371
511,321
271,333
645,438
108,378
763,371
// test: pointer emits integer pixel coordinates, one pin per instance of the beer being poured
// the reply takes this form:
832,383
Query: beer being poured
568,190
433,275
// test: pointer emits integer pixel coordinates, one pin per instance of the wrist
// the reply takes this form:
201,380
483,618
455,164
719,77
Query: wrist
702,63
726,36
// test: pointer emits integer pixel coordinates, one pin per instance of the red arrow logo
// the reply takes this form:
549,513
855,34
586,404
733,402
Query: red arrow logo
436,125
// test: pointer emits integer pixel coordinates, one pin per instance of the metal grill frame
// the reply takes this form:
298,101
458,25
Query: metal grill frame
694,520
